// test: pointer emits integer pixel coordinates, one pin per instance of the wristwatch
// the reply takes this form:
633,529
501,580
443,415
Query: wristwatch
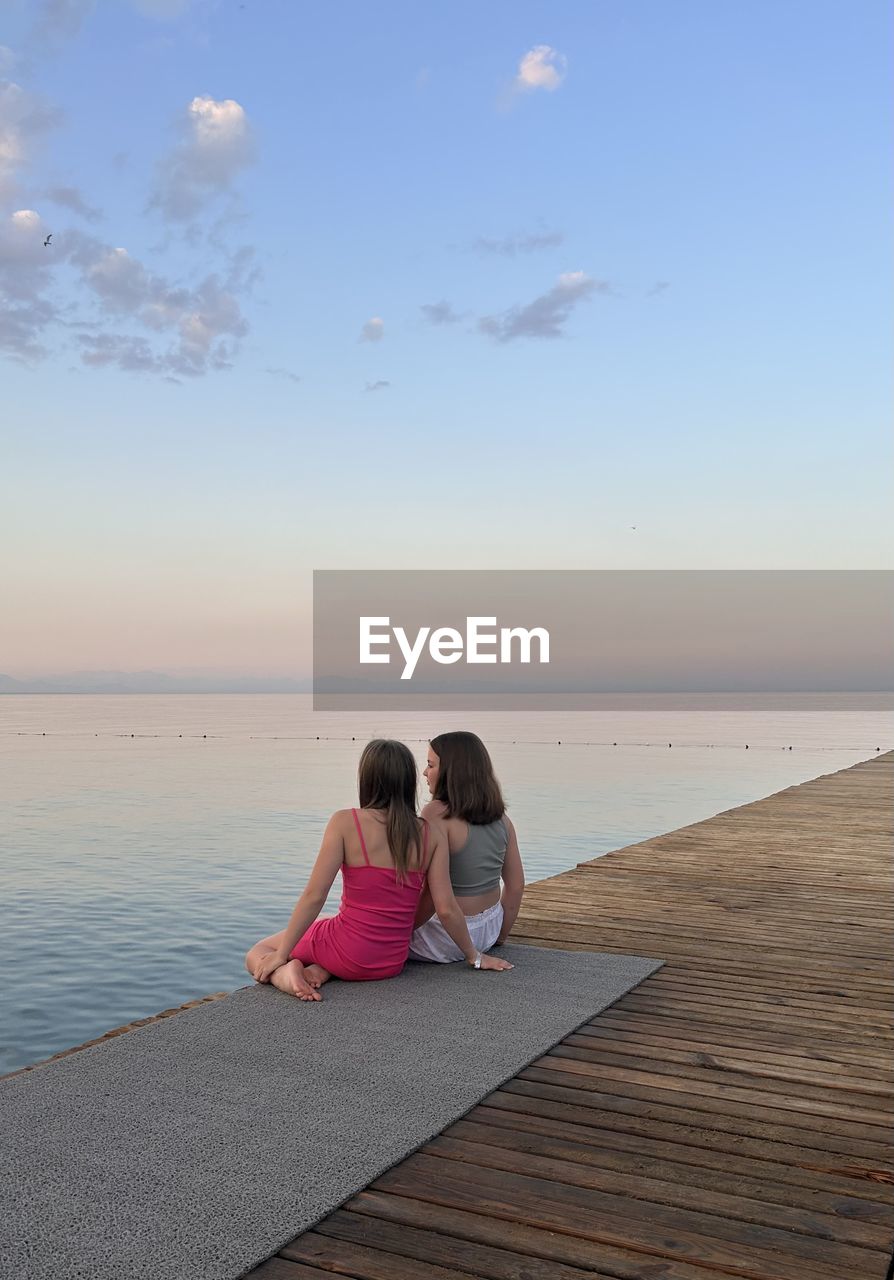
477,964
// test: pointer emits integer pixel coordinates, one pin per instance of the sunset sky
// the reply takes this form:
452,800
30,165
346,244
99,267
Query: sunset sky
507,285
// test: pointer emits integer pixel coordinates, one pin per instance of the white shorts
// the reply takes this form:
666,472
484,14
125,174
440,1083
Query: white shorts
431,941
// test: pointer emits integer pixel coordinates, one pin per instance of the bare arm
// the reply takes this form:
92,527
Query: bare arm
309,905
426,908
448,909
513,883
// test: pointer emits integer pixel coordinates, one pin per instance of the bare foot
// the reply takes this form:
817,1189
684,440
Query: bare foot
290,978
316,975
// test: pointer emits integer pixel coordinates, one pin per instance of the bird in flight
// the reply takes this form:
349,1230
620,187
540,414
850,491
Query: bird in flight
48,239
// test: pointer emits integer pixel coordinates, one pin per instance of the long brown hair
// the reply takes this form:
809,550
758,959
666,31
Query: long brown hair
386,779
467,785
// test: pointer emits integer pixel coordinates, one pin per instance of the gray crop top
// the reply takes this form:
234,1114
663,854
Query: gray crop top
477,866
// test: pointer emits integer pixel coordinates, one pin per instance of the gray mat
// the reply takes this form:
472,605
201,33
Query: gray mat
198,1145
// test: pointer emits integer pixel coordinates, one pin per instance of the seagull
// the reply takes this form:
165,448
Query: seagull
48,239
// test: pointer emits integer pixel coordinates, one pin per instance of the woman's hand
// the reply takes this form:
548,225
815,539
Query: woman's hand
494,962
268,965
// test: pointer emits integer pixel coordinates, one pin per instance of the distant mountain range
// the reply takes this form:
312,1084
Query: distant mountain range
152,682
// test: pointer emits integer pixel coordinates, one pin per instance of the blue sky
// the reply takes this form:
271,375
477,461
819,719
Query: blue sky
407,286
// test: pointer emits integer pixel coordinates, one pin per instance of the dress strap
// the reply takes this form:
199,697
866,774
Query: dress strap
360,834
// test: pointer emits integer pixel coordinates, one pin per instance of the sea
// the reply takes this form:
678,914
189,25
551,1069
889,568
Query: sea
147,841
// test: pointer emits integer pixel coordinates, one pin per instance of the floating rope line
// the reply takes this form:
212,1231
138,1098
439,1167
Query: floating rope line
502,742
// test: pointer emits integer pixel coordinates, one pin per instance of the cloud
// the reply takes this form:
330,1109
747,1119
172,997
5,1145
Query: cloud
540,68
203,323
161,9
284,373
660,286
8,58
509,246
377,386
373,330
545,316
24,118
58,21
217,143
70,198
439,313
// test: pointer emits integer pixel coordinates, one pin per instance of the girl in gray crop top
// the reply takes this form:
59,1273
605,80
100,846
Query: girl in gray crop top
468,803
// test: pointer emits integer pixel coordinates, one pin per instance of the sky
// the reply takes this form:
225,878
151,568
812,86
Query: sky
514,286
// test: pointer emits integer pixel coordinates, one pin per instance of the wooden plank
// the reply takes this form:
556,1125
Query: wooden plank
579,922
647,939
727,1134
777,1182
750,1020
689,1236
838,1118
757,960
439,1251
779,1077
281,1269
873,1026
561,1161
751,1038
359,1260
691,1108
650,942
786,995
532,1242
736,1058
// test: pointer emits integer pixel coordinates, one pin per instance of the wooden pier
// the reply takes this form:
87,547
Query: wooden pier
732,1116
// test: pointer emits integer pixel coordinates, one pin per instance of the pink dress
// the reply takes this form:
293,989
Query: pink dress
370,936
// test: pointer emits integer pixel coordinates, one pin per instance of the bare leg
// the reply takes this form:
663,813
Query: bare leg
261,949
290,978
316,975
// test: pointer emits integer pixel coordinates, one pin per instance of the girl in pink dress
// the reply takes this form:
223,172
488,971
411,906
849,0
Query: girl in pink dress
386,856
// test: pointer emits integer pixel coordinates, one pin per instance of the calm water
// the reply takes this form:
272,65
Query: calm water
139,869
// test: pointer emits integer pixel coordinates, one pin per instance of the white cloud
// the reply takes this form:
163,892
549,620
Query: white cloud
71,198
373,330
217,143
59,20
162,9
56,23
439,313
380,385
546,314
283,373
541,68
7,58
24,118
509,246
204,323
